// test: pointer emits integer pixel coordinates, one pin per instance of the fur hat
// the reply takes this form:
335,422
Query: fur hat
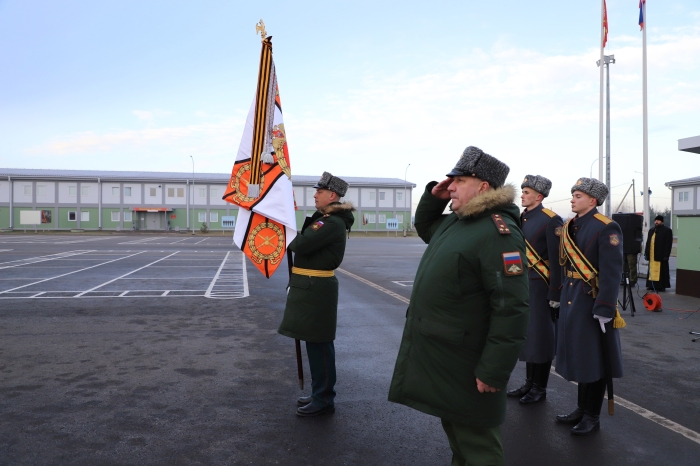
593,188
659,217
477,163
539,183
332,183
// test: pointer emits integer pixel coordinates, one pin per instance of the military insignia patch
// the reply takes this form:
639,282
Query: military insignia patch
512,263
317,225
614,240
557,231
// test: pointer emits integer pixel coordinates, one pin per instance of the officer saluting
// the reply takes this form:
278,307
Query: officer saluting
312,303
588,345
541,228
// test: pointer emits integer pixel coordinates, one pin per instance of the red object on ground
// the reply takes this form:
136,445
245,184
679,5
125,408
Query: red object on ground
652,302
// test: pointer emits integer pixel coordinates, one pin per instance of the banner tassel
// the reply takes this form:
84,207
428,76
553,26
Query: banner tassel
254,191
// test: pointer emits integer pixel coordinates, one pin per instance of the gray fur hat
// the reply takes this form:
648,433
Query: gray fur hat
593,188
477,163
537,182
332,183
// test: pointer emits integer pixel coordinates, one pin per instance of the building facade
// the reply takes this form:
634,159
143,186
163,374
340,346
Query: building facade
166,201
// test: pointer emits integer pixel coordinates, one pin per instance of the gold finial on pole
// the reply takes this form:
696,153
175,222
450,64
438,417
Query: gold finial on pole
260,28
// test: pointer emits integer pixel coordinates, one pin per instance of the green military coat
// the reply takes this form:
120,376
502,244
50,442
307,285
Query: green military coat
468,313
312,303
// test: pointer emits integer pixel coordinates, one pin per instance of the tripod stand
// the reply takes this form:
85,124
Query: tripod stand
627,299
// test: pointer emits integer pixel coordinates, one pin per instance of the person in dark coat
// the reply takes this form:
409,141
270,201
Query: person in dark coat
468,313
587,342
542,229
312,301
657,251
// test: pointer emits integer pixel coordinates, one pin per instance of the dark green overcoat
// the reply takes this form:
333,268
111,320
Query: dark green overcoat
469,311
312,303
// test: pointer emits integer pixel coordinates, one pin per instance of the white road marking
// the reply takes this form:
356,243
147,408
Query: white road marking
228,281
645,413
201,241
68,273
35,260
122,276
403,282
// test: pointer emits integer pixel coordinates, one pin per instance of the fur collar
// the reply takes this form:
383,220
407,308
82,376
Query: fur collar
488,200
337,207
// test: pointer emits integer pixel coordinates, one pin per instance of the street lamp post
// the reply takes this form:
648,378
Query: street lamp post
608,59
193,196
591,173
405,227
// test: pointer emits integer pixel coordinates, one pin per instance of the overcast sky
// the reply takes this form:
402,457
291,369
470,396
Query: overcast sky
367,87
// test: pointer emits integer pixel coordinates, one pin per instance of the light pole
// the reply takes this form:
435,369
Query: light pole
608,59
405,225
591,173
193,196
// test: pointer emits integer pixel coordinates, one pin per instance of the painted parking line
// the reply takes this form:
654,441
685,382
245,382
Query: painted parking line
403,282
69,273
231,280
141,240
35,260
105,294
645,413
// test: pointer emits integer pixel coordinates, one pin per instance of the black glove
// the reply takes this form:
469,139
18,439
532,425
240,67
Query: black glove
646,258
554,313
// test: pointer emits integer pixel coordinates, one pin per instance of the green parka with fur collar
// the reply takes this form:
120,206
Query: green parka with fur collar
312,303
469,310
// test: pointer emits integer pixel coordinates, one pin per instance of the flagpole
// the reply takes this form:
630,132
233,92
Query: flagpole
645,124
600,118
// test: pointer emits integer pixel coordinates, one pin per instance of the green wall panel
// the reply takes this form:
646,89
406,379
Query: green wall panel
93,222
5,217
688,233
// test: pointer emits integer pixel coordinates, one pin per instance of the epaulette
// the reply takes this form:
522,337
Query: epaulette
603,218
500,224
551,213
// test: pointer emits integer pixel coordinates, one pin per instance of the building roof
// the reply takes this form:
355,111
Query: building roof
690,144
33,173
684,182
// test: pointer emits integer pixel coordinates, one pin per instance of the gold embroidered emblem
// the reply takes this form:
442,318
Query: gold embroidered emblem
279,140
241,177
266,242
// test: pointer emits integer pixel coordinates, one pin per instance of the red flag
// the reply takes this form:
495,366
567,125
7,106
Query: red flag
641,14
605,23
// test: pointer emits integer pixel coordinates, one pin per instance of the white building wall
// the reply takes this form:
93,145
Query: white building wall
683,204
64,196
155,200
108,193
19,191
135,198
4,191
309,200
215,193
352,196
175,199
45,192
89,195
299,195
365,197
388,197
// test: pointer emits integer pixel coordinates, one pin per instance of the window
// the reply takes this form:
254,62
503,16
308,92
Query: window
382,195
214,192
72,216
115,216
382,218
40,190
213,217
127,191
72,190
399,196
683,196
84,216
202,216
202,192
27,189
127,216
180,192
372,196
115,191
368,218
152,192
399,218
171,192
85,191
310,197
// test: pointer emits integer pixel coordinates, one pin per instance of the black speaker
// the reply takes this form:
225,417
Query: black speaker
631,225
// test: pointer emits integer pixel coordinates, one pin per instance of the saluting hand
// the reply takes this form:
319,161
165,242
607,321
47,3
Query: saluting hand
483,388
440,190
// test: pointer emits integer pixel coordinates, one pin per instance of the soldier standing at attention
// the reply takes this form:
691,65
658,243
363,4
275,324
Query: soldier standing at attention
541,228
588,345
467,318
312,302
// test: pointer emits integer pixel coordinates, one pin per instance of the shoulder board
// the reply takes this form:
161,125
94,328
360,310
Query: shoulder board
603,218
551,213
500,224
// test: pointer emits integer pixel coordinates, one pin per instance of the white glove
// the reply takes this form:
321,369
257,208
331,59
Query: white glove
554,304
602,321
288,290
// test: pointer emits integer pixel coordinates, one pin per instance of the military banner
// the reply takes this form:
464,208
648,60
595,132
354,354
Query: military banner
261,178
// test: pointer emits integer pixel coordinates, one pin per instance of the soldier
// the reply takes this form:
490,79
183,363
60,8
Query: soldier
312,301
541,228
588,345
467,319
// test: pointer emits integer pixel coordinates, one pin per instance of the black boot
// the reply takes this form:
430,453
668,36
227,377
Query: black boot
576,415
540,377
519,392
590,422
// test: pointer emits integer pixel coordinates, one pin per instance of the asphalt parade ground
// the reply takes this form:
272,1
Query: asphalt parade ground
163,349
